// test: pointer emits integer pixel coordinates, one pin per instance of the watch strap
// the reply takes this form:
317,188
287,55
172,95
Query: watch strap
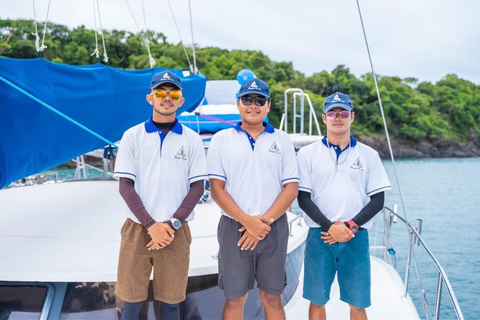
352,226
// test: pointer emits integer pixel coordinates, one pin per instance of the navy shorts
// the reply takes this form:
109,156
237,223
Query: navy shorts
351,260
238,269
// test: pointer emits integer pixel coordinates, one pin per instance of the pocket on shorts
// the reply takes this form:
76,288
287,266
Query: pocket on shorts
124,227
312,232
186,231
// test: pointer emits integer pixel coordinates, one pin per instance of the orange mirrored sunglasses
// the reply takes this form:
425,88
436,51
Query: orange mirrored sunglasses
174,94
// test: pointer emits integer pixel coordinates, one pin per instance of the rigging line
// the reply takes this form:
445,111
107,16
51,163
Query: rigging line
426,309
383,117
150,58
37,37
96,31
105,56
145,43
195,71
57,112
180,35
207,116
45,28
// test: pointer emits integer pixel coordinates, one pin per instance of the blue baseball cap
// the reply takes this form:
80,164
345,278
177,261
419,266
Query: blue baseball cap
254,86
337,100
165,77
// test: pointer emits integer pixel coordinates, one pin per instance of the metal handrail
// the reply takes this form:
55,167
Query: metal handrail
416,239
312,116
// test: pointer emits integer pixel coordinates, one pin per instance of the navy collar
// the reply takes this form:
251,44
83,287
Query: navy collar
151,127
353,143
268,127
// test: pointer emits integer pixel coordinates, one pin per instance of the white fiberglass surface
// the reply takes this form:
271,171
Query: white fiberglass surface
71,232
388,301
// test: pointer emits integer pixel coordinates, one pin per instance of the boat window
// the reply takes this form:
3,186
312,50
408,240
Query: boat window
89,300
21,302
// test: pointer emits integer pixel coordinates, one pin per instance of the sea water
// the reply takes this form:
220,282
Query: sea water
445,195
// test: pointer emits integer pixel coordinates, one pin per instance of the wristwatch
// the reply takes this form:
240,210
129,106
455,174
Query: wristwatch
350,224
176,224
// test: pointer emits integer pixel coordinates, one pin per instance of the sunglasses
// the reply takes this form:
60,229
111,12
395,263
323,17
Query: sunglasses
174,94
259,101
333,114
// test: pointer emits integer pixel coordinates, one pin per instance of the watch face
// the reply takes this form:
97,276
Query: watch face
176,224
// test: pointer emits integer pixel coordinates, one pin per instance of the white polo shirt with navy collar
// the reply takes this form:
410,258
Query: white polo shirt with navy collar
162,166
340,181
254,171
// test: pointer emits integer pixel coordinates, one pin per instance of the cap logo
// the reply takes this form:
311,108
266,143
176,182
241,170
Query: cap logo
254,86
337,98
166,77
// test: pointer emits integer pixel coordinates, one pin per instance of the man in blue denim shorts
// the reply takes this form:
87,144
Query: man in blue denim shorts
342,187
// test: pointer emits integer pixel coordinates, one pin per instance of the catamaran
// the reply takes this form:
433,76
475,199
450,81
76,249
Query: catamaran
59,242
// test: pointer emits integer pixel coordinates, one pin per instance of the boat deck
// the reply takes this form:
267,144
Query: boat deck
43,238
388,301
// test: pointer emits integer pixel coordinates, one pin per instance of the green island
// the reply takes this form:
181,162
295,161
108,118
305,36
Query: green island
424,119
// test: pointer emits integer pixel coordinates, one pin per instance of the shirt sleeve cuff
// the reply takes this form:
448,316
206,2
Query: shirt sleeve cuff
216,176
117,175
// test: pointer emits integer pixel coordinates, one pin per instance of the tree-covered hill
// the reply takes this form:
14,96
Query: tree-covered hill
444,112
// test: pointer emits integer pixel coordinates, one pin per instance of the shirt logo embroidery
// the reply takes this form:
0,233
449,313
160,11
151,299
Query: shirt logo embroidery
274,148
357,164
166,77
181,154
254,86
337,99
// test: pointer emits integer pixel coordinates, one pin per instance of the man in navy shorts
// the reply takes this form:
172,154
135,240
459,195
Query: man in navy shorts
342,187
253,177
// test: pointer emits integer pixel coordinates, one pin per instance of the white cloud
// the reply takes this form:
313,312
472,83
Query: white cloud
423,39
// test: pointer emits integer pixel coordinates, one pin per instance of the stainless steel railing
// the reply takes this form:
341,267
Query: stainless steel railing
416,239
312,117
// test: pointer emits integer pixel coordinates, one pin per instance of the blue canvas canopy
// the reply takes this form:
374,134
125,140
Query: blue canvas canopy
106,100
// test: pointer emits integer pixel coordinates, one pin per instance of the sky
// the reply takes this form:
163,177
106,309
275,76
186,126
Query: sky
424,39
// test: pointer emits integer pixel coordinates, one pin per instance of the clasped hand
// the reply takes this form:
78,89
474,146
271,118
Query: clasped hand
338,232
162,235
255,229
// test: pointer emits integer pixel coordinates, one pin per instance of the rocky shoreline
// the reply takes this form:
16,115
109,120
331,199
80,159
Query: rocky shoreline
423,148
402,148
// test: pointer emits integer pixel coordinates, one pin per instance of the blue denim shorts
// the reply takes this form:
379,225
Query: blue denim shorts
350,260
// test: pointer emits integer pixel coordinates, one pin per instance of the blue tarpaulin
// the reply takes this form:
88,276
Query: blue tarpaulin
106,100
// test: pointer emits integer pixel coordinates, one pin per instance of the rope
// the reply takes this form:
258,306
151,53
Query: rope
105,56
145,41
206,116
96,36
195,71
57,112
420,288
180,35
383,117
39,47
152,61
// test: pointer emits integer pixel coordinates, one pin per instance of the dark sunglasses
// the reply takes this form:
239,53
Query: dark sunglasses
333,114
259,101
